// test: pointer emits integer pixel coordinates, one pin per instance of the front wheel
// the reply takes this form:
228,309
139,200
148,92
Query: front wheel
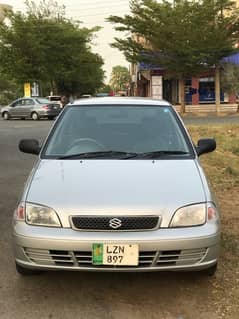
6,116
51,117
27,271
35,116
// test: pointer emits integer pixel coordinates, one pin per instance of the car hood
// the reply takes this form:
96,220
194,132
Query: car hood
116,187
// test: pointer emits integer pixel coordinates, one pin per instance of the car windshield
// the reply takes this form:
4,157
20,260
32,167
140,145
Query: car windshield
55,98
117,131
42,100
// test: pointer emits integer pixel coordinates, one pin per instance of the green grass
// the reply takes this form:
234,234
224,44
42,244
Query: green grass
221,166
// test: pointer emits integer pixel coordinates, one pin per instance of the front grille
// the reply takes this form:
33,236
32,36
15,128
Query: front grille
83,259
115,223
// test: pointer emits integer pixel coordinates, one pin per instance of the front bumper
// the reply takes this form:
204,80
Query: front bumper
193,248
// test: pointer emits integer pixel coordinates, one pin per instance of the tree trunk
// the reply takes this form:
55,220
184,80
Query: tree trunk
182,95
217,89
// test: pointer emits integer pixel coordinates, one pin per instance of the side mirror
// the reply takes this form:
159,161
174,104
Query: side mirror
205,145
29,146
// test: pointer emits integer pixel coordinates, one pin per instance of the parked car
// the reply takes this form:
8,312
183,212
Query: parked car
34,108
118,186
56,99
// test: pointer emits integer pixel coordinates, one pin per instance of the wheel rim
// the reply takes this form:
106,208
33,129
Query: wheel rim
34,116
6,116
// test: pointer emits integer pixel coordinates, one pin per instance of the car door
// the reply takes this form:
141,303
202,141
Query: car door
15,108
27,107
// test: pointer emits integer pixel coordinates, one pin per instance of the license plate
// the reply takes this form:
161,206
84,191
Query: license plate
115,254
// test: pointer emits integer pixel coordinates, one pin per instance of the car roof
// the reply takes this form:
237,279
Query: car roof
120,101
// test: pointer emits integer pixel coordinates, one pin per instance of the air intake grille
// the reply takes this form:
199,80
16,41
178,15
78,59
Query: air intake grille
115,223
83,259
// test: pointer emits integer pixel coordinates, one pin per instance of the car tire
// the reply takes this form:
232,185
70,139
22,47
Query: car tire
6,116
27,271
51,117
35,116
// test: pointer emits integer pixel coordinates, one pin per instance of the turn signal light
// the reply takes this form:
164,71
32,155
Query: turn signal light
20,213
211,213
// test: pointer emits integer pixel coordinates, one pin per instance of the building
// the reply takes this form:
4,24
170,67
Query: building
151,81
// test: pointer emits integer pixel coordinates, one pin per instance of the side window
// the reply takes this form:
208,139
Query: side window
28,102
14,104
17,103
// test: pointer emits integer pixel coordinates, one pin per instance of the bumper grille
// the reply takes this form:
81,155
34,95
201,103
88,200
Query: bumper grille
115,223
180,257
49,257
83,259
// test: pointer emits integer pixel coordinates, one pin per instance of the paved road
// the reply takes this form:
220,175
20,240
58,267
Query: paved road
83,295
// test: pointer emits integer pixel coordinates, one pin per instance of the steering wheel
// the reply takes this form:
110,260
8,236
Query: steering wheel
86,142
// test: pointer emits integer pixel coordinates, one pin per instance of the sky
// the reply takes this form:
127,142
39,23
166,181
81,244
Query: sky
92,13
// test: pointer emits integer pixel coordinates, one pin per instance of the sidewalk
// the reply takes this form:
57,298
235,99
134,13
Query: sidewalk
209,109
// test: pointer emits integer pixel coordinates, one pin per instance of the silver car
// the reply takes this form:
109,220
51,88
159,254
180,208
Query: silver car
118,186
34,108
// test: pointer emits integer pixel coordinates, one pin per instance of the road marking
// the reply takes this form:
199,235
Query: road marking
25,126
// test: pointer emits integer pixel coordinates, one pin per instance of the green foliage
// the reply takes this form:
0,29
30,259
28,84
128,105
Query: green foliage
184,36
106,88
44,46
120,78
9,90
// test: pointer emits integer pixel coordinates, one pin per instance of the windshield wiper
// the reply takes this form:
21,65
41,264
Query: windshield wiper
156,154
121,154
100,154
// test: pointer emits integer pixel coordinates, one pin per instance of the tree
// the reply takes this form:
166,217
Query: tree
185,37
120,78
106,88
9,90
230,78
44,46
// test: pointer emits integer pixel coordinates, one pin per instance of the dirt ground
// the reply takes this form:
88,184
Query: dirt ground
222,169
226,281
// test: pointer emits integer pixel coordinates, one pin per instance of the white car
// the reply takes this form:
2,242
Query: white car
118,186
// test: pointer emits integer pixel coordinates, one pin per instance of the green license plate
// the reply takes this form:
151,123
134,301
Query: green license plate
115,254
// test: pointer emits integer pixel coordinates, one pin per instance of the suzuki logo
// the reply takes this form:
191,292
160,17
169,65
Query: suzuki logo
115,223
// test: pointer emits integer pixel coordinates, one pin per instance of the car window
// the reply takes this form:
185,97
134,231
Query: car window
17,103
54,98
42,100
124,128
29,102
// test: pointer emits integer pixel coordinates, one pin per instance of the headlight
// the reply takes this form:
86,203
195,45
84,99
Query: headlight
41,216
193,215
